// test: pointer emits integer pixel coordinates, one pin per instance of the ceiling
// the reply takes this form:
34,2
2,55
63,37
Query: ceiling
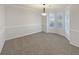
47,6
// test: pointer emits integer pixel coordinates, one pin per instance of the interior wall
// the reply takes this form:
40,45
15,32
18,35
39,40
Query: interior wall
44,23
74,25
21,21
2,26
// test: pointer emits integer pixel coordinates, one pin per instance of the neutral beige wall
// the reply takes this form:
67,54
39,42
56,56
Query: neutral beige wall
44,23
74,25
21,21
2,26
18,16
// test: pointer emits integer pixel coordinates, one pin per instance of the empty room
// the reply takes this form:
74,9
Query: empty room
39,29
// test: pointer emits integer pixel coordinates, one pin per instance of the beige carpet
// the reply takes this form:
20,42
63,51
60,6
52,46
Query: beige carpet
39,44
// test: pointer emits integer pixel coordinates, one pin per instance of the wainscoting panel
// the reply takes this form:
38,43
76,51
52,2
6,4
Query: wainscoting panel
2,40
18,31
74,38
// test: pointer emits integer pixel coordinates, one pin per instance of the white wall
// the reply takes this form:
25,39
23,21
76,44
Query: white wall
21,21
2,26
44,23
74,25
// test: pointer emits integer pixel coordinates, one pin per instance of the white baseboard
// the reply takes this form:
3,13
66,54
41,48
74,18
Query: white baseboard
74,44
57,31
19,31
1,45
2,40
21,35
74,38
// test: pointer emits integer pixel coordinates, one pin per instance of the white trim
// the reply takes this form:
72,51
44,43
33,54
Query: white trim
19,31
21,35
2,37
74,30
75,44
2,46
22,25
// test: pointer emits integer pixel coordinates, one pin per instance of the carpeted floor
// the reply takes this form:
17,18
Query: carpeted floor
39,44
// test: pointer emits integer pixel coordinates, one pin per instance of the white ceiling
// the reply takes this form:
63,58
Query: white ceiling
47,6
